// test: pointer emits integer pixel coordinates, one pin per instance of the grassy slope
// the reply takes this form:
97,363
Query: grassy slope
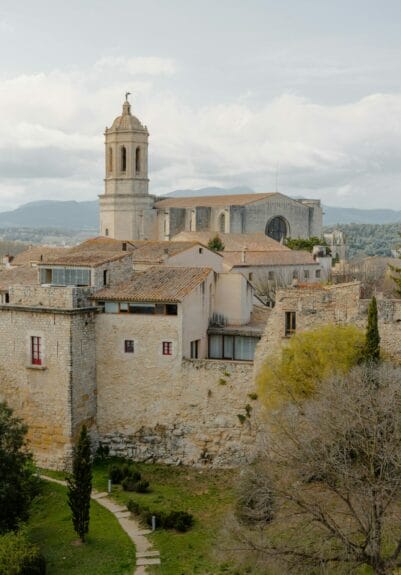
208,495
108,550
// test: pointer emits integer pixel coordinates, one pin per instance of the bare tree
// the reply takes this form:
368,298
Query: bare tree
333,470
266,286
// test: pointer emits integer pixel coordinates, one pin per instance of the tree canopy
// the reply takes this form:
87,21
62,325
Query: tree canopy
307,360
17,481
215,244
333,469
80,484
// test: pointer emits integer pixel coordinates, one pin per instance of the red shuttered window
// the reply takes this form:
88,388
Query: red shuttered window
36,351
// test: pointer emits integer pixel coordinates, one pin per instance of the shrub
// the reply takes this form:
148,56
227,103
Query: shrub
179,520
118,472
133,484
19,557
102,452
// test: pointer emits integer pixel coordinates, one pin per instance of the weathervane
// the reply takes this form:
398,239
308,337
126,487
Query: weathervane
126,96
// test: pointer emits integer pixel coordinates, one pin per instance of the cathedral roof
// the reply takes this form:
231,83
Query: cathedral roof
157,284
212,201
126,122
235,242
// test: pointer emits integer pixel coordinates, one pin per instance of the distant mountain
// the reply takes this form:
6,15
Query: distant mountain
53,214
211,192
334,216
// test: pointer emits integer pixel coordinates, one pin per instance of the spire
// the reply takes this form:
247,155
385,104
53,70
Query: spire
127,105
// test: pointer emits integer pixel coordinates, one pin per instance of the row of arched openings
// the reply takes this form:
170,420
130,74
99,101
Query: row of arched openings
123,160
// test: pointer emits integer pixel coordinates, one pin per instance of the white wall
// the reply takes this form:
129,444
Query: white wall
233,298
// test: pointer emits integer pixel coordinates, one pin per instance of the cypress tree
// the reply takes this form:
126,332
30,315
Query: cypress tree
372,340
80,484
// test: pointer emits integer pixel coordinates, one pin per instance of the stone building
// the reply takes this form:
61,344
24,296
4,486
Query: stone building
128,212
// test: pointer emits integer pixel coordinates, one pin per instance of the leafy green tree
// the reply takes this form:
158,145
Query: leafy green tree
80,484
215,244
371,352
17,480
308,359
306,244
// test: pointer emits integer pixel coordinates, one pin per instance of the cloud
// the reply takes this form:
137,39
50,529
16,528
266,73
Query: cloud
51,142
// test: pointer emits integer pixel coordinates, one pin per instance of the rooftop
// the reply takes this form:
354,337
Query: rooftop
157,284
235,242
212,201
35,254
268,258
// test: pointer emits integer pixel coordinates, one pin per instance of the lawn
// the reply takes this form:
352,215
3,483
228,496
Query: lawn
108,550
207,494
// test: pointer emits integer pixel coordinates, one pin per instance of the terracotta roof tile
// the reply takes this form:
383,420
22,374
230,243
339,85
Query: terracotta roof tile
235,242
87,258
157,284
36,254
212,201
268,258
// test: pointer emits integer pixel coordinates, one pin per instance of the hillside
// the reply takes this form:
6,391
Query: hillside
369,239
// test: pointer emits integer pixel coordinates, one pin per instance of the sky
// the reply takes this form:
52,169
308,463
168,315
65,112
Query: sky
299,96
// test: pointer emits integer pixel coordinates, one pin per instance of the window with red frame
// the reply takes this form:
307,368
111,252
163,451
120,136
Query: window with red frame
167,348
36,350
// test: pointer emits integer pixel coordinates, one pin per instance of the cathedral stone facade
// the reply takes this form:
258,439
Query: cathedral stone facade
127,211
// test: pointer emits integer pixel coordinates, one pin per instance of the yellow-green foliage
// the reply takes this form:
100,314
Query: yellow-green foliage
308,359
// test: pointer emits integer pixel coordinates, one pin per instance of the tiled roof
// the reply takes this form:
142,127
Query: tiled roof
36,254
212,201
268,258
21,275
235,242
157,252
87,258
157,284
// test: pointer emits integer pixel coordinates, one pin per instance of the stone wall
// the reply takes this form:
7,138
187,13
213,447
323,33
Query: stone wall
117,271
50,296
192,419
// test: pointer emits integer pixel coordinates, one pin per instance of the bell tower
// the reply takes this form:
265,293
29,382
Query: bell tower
126,208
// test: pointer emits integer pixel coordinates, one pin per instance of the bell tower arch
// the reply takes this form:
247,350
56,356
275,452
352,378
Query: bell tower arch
126,208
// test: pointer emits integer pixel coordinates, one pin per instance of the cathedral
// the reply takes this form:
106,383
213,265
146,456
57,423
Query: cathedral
129,212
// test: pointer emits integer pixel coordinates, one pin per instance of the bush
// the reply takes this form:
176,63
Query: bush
131,484
19,557
179,520
118,472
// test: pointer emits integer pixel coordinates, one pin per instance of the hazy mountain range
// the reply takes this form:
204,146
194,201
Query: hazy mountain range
85,215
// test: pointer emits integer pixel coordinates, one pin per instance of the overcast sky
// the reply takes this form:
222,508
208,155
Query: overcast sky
232,91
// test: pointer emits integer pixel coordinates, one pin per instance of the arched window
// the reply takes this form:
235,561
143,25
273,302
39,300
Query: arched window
277,229
137,160
222,223
110,165
123,159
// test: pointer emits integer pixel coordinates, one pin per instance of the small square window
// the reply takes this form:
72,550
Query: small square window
129,346
167,348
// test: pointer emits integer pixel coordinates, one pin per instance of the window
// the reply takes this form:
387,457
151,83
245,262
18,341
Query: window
277,229
110,160
201,250
65,276
222,223
295,275
105,277
317,273
290,323
106,232
195,349
7,297
171,309
167,348
306,274
270,276
138,160
123,159
232,347
36,351
129,346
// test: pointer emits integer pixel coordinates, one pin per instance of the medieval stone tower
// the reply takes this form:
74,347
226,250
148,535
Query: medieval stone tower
126,208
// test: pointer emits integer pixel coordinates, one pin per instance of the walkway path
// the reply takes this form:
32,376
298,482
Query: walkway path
145,554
